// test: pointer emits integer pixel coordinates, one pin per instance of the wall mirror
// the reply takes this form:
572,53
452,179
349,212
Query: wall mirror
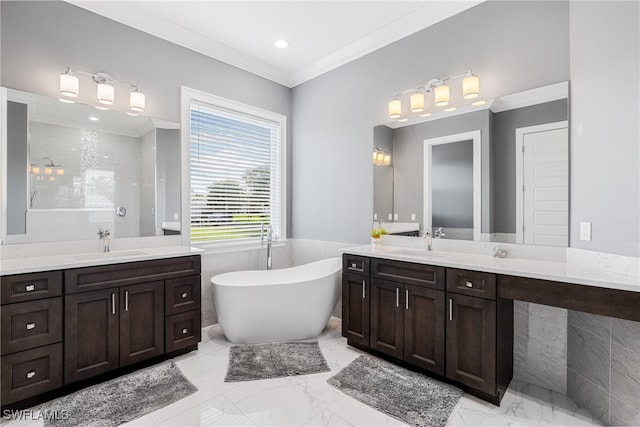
497,172
72,168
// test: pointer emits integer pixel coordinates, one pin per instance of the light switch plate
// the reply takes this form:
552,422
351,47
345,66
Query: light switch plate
585,231
390,217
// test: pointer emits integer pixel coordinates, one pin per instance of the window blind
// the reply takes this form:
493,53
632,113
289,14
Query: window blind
235,174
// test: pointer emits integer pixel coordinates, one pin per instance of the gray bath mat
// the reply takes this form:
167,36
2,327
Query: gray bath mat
120,400
405,395
273,360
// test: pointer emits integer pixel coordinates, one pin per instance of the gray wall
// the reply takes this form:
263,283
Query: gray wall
503,155
408,154
40,39
452,185
502,41
17,192
605,153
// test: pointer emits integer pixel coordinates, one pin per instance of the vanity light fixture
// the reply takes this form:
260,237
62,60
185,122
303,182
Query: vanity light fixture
105,89
50,168
381,157
441,92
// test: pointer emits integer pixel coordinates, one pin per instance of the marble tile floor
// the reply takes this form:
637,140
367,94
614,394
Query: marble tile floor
309,401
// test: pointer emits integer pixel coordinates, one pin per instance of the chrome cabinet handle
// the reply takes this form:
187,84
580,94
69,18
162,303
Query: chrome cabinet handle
184,295
184,331
397,297
30,288
406,299
364,294
31,325
450,309
113,303
31,374
469,284
126,300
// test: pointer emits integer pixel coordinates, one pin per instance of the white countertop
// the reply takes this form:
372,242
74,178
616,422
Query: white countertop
524,267
31,264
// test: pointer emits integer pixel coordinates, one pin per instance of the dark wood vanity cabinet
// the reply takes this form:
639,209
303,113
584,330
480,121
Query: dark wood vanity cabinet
114,327
441,320
31,334
356,293
114,316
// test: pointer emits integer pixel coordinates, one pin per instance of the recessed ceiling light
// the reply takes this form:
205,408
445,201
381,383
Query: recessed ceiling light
478,103
282,44
403,120
450,109
93,118
425,115
68,101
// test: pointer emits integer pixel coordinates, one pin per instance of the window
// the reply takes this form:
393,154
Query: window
236,170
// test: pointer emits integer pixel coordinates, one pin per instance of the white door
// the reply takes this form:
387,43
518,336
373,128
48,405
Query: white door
546,187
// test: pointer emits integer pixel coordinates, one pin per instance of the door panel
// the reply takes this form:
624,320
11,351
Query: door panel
91,334
355,308
424,332
387,317
471,342
141,322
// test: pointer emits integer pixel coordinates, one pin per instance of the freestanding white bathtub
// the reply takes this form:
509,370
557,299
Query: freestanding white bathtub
277,305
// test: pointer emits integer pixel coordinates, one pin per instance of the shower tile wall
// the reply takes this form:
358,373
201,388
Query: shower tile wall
108,152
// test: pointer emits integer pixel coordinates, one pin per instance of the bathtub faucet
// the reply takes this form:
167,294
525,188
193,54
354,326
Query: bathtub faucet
269,239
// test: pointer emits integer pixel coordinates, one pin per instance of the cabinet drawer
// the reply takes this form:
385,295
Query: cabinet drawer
28,373
182,330
114,275
355,264
182,295
472,283
408,272
31,324
28,287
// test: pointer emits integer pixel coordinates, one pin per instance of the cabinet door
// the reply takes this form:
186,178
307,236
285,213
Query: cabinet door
141,322
355,308
471,342
90,334
387,317
424,333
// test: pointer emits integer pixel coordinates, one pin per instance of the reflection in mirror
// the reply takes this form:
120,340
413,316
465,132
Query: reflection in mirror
88,169
523,145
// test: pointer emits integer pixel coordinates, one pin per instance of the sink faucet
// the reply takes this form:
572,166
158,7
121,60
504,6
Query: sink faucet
269,240
439,233
428,237
104,235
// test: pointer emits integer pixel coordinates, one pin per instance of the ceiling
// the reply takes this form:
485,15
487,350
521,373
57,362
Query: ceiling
323,35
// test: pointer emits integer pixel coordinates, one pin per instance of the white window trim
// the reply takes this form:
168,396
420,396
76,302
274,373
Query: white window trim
189,95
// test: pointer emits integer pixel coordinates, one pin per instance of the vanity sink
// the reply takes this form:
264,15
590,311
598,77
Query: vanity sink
105,255
422,253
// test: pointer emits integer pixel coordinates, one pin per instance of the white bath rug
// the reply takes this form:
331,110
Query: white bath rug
274,360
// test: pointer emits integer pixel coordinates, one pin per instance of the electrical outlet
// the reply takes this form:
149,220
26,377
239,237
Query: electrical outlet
175,216
585,231
390,217
395,216
413,217
375,216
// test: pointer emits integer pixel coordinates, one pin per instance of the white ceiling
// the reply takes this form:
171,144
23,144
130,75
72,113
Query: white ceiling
323,34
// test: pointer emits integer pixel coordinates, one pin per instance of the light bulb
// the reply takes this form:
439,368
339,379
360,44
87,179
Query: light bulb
442,95
69,85
470,87
137,101
417,102
106,93
395,108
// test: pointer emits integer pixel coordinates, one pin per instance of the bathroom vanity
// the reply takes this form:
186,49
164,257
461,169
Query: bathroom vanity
451,314
92,317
